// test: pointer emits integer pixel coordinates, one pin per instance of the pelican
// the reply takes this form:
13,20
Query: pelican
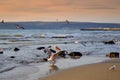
53,57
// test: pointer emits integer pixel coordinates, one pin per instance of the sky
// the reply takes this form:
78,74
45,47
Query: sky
60,10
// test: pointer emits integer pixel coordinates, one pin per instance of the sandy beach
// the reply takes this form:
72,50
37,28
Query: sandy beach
96,71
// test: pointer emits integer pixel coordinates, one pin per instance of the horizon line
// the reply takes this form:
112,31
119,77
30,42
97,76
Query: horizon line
63,21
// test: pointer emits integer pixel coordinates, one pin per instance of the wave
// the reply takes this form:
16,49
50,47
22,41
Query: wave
7,68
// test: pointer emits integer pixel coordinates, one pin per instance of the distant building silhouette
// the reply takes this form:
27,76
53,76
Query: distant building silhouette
2,21
67,22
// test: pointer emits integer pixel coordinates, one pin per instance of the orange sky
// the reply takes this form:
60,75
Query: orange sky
50,10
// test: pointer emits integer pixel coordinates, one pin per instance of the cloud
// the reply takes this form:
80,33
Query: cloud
36,6
100,8
57,5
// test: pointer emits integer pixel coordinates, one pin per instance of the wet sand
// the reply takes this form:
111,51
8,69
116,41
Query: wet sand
97,71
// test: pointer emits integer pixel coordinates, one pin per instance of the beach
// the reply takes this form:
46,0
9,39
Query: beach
96,71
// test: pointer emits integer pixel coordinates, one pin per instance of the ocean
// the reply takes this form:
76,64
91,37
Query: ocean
28,60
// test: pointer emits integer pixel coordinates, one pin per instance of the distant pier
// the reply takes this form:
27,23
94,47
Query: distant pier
104,29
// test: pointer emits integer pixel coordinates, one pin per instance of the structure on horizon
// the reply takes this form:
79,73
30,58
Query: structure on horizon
2,21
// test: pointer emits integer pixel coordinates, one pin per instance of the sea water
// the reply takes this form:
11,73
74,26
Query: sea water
28,58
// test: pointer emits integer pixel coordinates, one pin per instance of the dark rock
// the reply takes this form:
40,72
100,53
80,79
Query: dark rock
40,48
109,42
45,60
63,53
12,56
113,55
1,52
52,50
75,54
16,49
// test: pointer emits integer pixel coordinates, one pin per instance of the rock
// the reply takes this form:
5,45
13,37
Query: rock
113,55
63,53
40,48
109,42
1,52
75,54
12,56
16,49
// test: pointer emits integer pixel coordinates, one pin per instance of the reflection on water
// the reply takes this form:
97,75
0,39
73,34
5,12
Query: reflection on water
53,68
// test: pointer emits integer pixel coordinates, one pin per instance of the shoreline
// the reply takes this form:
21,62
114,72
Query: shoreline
95,71
46,70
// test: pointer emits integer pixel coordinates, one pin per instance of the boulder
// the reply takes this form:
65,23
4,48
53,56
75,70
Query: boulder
75,54
113,55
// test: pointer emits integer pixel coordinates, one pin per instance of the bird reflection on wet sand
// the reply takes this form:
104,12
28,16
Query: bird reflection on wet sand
53,68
